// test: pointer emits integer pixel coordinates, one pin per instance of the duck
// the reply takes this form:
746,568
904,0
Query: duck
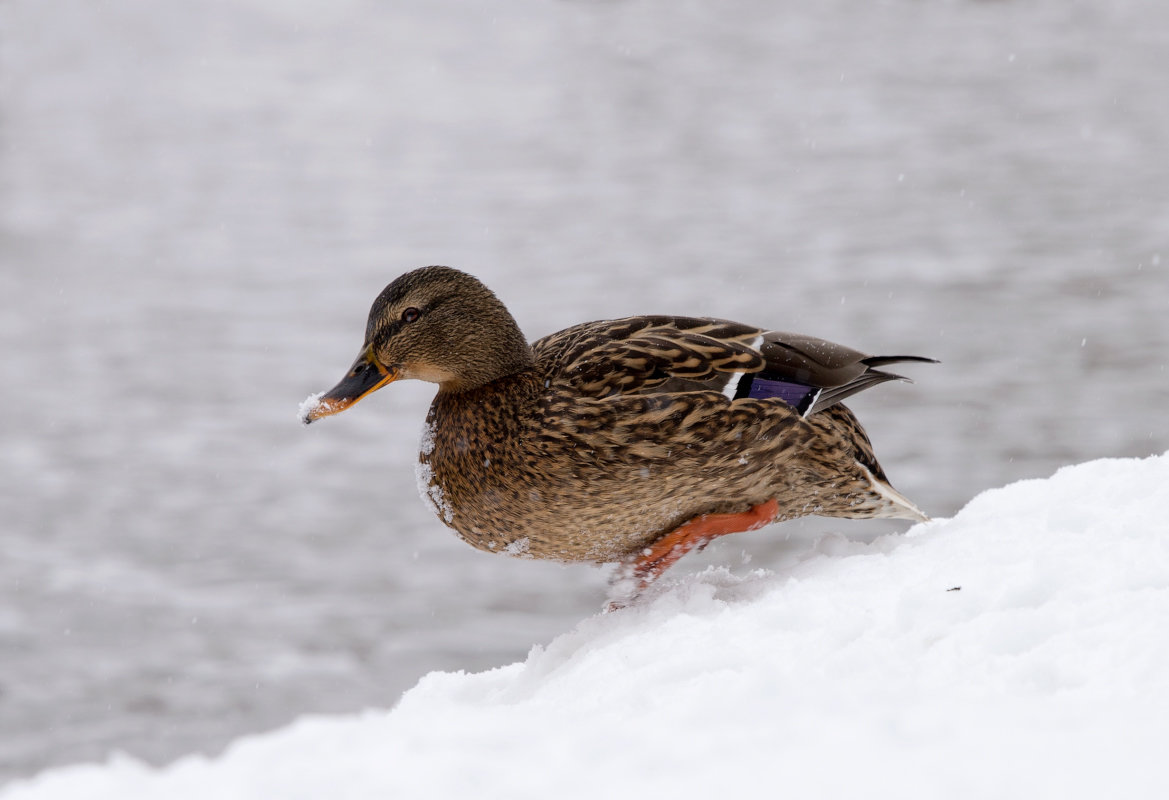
631,441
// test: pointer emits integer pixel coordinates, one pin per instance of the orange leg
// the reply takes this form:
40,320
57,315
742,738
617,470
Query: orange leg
648,564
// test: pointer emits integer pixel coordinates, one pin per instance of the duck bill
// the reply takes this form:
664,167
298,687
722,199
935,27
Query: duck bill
366,376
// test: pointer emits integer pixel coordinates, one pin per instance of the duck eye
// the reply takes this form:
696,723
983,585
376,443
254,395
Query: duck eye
411,314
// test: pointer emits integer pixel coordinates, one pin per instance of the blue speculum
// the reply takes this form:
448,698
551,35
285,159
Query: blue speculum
797,395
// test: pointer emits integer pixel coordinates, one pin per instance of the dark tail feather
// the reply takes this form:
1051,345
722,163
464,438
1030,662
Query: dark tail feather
870,377
881,361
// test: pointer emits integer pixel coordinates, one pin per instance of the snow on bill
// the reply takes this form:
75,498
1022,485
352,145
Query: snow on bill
310,404
1016,650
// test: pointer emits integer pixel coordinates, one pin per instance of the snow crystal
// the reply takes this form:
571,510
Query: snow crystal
426,441
309,405
518,548
430,492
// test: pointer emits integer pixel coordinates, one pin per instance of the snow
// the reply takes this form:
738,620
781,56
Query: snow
519,548
430,492
308,406
1018,649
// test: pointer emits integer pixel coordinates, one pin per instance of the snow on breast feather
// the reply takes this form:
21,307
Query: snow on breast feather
519,548
430,492
426,441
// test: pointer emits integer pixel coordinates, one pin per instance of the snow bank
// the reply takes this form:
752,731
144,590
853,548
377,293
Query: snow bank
1017,650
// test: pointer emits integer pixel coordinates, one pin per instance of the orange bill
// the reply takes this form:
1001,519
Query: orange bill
367,375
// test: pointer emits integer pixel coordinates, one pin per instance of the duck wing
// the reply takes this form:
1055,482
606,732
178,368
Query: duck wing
636,354
655,354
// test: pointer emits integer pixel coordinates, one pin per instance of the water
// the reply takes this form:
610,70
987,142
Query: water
198,202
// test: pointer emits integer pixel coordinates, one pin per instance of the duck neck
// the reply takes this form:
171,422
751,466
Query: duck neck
500,404
490,359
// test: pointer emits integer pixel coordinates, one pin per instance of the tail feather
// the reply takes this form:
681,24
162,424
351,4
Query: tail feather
881,361
832,395
891,503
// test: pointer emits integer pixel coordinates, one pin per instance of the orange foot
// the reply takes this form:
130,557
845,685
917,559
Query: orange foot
645,566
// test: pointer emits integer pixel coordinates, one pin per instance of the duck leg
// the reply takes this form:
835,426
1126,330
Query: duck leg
647,564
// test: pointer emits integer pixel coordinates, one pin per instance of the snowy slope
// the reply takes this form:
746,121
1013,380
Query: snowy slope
861,671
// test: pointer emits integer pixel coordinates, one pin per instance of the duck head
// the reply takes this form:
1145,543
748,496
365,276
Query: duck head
434,324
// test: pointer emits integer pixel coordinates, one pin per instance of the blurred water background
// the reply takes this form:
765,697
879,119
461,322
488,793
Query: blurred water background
198,202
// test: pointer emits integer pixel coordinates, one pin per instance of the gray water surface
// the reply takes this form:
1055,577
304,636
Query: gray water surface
198,202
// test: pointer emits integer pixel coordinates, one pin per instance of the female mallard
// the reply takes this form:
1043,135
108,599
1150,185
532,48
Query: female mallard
630,440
